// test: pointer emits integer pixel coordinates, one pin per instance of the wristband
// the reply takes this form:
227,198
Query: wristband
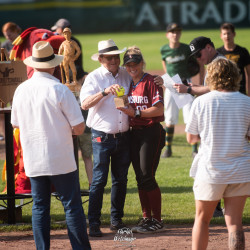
103,92
137,113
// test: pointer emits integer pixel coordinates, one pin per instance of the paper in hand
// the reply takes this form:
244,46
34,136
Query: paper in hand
181,99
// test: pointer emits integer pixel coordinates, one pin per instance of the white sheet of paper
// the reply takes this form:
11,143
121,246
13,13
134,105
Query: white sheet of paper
181,99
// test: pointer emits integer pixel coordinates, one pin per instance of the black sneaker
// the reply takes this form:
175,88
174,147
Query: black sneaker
114,226
153,227
94,231
167,153
141,222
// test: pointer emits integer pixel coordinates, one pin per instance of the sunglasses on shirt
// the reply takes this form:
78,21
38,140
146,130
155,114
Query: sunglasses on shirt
198,54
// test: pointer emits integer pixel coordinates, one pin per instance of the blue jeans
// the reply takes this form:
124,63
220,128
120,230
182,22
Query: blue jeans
106,148
68,188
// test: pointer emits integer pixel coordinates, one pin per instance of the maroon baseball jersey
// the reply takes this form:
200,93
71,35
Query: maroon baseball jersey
143,95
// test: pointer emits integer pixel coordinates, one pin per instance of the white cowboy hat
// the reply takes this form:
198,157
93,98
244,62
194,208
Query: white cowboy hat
43,56
107,47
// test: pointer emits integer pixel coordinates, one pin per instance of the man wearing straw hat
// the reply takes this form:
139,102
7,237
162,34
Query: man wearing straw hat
110,134
47,114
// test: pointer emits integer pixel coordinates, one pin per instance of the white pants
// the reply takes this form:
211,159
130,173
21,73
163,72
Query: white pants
171,111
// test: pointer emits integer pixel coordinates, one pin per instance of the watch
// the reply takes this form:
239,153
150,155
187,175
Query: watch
103,92
189,90
137,113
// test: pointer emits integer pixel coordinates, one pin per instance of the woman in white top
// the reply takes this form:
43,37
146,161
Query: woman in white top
220,119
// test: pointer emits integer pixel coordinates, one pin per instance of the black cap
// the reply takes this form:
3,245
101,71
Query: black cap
173,27
132,58
198,44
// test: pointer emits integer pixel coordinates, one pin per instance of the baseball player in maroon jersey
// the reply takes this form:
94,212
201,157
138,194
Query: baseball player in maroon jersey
146,111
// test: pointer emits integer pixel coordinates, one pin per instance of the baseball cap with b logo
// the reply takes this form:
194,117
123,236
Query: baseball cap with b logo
198,44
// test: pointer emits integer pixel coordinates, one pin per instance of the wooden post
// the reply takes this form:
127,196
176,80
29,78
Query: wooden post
9,156
2,104
4,55
2,59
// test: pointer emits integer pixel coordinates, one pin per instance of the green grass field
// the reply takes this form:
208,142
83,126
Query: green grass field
173,174
150,43
173,178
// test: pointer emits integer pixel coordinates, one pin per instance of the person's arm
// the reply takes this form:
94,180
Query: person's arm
78,129
247,74
193,90
156,110
192,138
94,99
61,49
78,51
164,66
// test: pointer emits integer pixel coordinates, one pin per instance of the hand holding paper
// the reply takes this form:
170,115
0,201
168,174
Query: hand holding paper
181,99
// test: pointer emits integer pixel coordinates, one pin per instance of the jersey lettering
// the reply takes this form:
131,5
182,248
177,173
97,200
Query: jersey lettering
143,107
138,99
175,59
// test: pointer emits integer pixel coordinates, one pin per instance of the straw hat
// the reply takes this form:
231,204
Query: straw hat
43,56
107,47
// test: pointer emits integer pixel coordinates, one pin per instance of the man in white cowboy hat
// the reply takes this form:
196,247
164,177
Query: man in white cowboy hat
47,114
110,134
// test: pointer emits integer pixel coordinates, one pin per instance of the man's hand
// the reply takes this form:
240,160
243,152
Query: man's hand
192,138
128,111
181,88
78,129
112,89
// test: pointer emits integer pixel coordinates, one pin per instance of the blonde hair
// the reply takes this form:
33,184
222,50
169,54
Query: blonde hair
134,50
223,74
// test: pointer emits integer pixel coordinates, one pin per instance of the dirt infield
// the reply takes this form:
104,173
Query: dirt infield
176,237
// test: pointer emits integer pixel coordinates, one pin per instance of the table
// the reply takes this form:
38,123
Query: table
11,196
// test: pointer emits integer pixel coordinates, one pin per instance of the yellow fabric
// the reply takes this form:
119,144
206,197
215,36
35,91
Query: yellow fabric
16,133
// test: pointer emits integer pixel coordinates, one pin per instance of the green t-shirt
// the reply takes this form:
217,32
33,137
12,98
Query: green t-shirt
176,59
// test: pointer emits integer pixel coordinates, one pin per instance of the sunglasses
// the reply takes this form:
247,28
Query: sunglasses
198,55
109,58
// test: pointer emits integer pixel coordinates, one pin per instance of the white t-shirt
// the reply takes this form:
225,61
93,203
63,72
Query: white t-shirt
45,111
222,119
104,116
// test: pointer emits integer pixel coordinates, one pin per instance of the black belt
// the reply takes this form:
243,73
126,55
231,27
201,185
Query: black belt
117,134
